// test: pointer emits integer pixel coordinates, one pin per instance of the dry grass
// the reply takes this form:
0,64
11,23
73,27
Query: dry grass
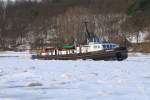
141,47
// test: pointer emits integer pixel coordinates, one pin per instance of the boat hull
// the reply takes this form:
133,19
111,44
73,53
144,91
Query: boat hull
116,54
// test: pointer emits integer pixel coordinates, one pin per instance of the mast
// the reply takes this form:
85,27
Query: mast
87,31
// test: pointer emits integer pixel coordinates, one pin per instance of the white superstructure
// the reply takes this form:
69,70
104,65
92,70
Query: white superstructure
96,45
92,45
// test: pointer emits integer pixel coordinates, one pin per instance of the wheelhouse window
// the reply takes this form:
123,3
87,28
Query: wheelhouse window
109,46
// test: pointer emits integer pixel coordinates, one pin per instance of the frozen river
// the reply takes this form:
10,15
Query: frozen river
24,79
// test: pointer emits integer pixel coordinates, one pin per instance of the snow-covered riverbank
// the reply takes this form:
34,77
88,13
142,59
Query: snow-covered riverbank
24,79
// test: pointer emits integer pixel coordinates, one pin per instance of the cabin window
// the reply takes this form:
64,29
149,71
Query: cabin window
104,46
107,46
114,46
94,40
111,46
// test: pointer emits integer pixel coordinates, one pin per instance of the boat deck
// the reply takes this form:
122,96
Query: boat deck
117,54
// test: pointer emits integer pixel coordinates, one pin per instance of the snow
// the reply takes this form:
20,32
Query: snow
141,38
24,79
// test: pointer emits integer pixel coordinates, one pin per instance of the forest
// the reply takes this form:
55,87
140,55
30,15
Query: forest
30,24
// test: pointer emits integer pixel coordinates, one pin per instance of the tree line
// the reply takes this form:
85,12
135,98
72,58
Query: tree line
39,23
